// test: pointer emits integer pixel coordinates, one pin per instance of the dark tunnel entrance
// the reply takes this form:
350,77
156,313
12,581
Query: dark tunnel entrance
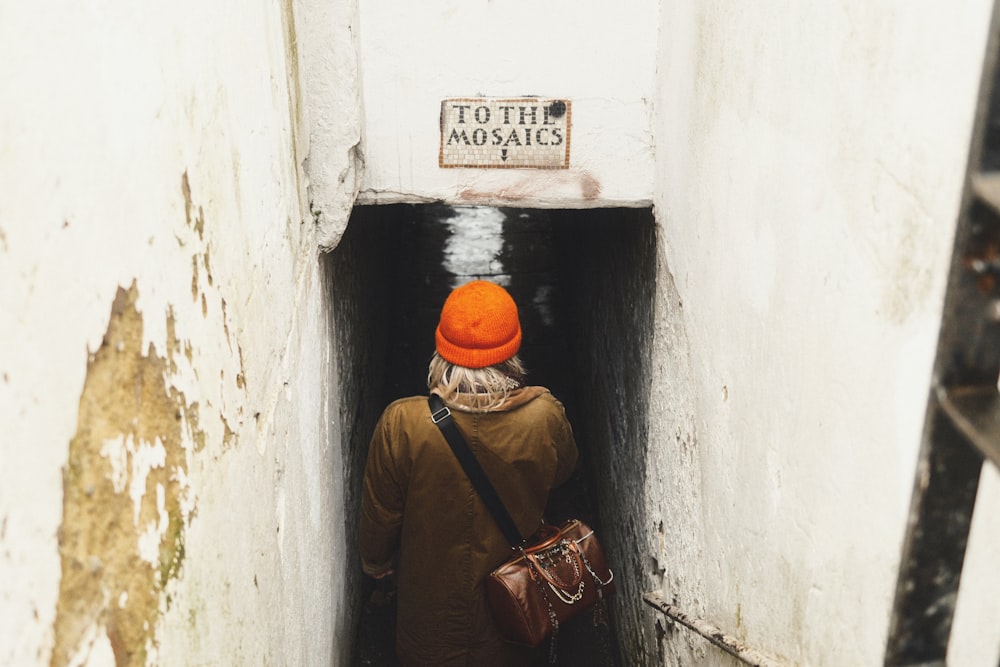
584,281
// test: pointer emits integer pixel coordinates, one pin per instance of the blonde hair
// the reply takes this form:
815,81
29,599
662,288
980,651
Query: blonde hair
475,389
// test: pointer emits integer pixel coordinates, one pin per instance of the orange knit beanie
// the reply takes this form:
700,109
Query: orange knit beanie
478,326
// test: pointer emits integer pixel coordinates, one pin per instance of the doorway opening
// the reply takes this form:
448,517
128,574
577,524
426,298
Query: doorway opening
584,282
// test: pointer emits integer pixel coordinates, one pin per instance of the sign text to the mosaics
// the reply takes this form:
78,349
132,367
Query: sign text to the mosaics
496,133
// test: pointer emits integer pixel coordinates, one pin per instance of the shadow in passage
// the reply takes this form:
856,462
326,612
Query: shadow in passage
526,251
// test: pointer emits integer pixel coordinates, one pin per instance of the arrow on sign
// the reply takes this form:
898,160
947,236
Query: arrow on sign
503,154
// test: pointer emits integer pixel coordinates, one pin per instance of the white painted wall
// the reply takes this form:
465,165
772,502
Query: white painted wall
600,55
810,161
107,106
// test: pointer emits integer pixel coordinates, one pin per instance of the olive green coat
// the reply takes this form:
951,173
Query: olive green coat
419,506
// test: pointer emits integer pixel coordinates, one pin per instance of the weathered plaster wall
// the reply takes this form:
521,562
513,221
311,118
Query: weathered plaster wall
168,462
332,97
600,55
810,159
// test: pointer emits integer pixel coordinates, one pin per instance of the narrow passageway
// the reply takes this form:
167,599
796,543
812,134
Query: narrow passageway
409,258
443,248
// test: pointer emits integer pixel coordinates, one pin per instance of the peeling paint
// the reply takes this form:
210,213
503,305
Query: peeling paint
126,497
194,277
225,324
229,437
173,345
241,377
199,258
197,223
205,258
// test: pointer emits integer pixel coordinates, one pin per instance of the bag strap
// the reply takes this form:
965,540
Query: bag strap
441,416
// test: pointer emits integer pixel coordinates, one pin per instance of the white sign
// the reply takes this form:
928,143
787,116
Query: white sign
492,133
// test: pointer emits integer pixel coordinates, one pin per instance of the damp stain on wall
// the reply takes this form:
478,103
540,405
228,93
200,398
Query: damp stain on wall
126,502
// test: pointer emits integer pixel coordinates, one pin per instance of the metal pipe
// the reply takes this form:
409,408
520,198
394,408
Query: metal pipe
727,643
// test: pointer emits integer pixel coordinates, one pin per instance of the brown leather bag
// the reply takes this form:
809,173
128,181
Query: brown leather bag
548,583
558,572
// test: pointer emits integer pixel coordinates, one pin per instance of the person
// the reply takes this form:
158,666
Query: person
421,518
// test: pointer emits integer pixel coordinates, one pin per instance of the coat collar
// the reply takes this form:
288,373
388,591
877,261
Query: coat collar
515,399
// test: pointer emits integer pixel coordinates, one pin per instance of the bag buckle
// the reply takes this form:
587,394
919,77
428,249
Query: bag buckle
440,415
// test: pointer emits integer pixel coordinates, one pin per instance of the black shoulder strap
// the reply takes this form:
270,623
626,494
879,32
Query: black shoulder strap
441,416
